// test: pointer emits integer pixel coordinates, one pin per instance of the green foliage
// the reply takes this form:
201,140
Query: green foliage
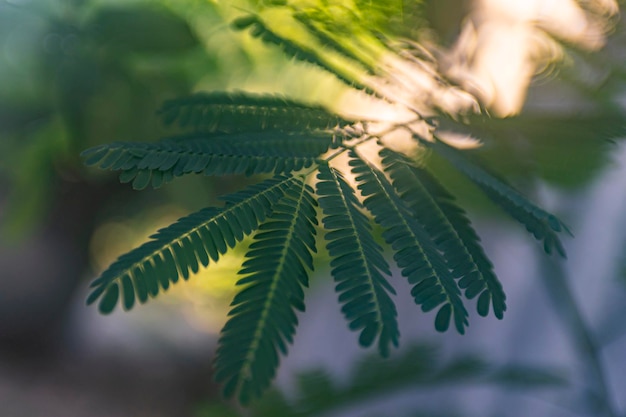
543,225
262,318
73,76
418,367
310,50
415,252
430,237
239,112
222,154
357,263
451,231
179,248
590,137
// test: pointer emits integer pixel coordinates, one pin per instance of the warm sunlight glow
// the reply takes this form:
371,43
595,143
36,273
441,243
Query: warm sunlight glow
505,42
203,298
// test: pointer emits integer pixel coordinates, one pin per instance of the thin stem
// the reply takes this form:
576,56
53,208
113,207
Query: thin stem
365,138
566,306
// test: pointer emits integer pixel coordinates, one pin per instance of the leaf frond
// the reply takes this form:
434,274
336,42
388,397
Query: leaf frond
543,225
263,318
260,153
308,49
237,112
181,247
449,229
357,262
414,251
319,27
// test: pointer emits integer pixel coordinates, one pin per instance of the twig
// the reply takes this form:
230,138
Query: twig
566,306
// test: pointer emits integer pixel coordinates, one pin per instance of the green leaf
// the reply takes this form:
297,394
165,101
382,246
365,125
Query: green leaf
448,227
414,251
172,250
320,26
108,301
357,262
237,112
296,41
566,150
129,292
543,225
250,154
442,321
262,319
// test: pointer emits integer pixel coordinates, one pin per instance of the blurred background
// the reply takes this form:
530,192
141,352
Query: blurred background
78,73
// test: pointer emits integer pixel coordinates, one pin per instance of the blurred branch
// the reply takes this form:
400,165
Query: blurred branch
587,347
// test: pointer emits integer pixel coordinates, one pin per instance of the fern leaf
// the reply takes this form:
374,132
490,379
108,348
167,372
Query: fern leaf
263,319
182,246
319,27
357,263
364,47
308,50
483,276
543,225
158,163
449,228
236,112
415,253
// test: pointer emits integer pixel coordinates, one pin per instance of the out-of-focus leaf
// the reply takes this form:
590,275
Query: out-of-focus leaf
419,367
460,369
565,151
142,30
527,377
30,170
272,403
15,118
315,387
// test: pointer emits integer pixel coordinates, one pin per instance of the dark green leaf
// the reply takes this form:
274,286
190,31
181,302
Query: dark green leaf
358,265
415,252
108,301
262,319
255,203
543,225
228,112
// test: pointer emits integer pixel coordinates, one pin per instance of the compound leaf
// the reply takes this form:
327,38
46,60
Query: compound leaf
177,249
414,251
357,262
237,112
448,227
263,315
543,225
259,153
